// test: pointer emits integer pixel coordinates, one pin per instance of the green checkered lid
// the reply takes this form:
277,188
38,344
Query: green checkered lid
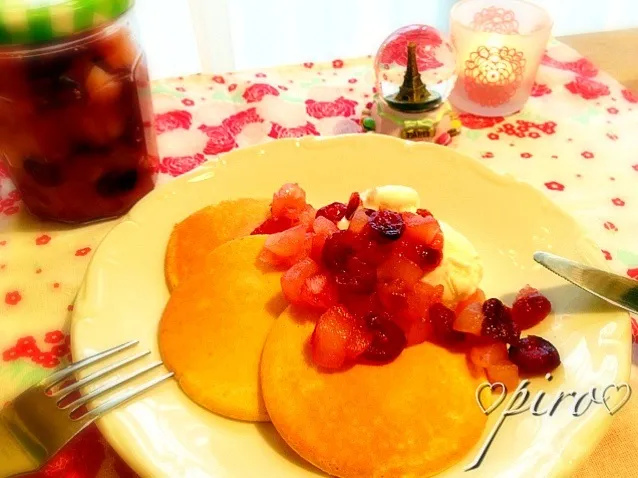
27,22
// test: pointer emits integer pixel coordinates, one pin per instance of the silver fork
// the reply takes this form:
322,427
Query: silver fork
38,422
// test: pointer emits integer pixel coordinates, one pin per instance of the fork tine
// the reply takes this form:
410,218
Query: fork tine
57,377
124,397
107,387
95,375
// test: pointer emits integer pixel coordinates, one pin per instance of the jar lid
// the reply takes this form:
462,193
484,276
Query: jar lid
28,22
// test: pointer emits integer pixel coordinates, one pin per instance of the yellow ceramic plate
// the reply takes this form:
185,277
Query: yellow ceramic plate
165,434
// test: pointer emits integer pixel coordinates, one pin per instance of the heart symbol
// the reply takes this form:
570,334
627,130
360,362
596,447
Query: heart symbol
623,400
491,387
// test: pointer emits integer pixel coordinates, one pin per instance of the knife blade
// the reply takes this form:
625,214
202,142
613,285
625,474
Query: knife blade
615,289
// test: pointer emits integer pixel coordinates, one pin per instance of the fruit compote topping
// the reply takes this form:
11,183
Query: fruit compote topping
76,126
366,283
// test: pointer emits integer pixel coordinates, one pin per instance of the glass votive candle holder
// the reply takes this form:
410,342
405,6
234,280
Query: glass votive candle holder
499,46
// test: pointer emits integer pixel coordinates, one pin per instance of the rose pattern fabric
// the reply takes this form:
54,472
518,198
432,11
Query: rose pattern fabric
575,138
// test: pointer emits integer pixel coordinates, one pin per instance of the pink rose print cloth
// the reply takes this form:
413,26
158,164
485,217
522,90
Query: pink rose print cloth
575,140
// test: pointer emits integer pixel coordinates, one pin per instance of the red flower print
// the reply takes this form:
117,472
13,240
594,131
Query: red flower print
308,64
82,252
278,131
540,90
236,123
220,140
554,186
181,89
257,92
219,79
54,337
630,96
493,136
587,89
337,63
173,120
633,273
12,298
635,167
612,111
232,87
618,202
487,155
329,109
82,458
42,240
188,102
479,122
10,354
607,254
444,139
612,136
260,75
176,165
427,40
526,155
582,66
587,154
610,226
282,87
352,81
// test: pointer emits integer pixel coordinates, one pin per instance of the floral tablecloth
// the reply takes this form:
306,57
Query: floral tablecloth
576,140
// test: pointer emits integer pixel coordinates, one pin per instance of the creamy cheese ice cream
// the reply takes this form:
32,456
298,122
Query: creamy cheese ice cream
461,269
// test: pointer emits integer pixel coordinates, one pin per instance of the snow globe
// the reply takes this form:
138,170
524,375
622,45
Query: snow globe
415,74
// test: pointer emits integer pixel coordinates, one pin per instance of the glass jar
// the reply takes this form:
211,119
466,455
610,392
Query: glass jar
76,119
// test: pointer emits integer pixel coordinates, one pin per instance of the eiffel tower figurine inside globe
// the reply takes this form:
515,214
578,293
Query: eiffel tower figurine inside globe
415,73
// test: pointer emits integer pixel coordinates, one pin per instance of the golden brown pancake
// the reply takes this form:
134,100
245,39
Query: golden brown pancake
201,232
214,327
413,417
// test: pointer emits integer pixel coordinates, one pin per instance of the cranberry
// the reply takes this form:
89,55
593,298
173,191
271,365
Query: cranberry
426,257
353,204
337,250
114,183
388,340
335,211
358,277
498,324
273,225
442,320
529,310
45,174
388,224
534,355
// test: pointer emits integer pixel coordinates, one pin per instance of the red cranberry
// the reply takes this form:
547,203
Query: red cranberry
388,340
529,310
498,324
388,224
114,183
353,204
337,249
442,320
358,277
335,211
534,355
273,225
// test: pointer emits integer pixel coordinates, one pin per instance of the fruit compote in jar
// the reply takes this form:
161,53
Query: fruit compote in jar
76,127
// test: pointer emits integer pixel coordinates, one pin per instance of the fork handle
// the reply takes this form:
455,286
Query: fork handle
14,459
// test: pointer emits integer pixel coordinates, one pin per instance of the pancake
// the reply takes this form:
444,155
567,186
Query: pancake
413,417
201,232
214,327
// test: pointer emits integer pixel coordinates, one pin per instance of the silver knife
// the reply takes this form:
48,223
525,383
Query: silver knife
617,290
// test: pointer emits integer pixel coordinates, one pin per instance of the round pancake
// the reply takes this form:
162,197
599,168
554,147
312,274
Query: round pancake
201,232
214,327
415,416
